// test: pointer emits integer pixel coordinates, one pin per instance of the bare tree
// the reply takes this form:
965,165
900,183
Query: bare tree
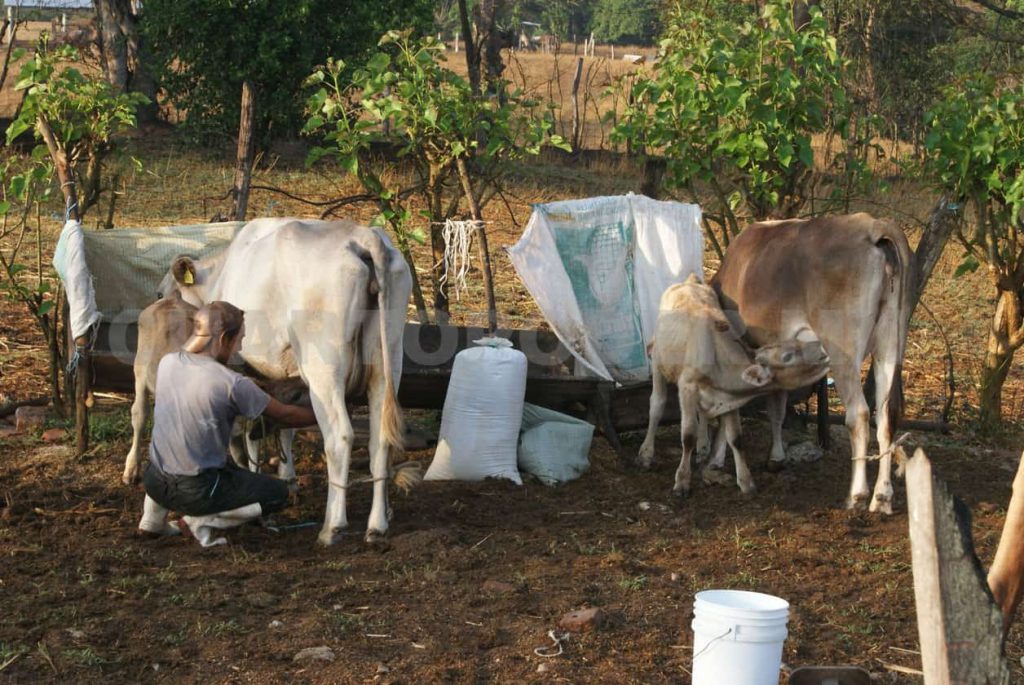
121,51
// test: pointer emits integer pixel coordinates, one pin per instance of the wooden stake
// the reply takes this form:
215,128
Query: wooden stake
576,124
243,159
960,627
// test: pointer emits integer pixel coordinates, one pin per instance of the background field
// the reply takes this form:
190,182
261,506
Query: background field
85,600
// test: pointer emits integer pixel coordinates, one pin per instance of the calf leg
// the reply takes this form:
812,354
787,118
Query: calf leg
286,467
139,407
776,416
731,428
659,395
688,429
252,447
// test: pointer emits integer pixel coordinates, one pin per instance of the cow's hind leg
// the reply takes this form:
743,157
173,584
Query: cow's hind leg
688,430
714,471
380,462
659,395
139,407
327,392
885,380
731,428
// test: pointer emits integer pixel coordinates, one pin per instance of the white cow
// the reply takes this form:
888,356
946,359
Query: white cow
325,301
696,348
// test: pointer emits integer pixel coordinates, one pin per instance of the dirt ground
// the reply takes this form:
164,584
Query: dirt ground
86,600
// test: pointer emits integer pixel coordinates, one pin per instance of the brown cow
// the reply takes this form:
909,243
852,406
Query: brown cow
847,279
696,348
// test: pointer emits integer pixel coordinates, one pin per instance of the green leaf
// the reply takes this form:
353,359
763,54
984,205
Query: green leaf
45,307
969,265
5,207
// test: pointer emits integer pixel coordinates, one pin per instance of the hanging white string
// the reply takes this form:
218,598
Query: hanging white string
458,238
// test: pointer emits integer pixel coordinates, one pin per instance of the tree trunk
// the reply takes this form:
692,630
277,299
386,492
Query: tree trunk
493,64
998,358
243,160
485,255
472,56
122,55
437,248
577,124
941,223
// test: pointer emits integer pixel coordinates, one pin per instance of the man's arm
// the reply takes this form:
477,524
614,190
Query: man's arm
290,415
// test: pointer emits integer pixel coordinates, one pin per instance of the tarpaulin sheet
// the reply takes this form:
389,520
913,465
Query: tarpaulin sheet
597,268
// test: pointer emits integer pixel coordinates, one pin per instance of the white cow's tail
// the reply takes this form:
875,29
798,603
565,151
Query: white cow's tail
392,423
897,251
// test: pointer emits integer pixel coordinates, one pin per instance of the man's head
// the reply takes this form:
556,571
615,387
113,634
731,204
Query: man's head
218,331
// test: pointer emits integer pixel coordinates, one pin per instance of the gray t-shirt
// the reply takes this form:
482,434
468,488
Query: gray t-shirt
197,400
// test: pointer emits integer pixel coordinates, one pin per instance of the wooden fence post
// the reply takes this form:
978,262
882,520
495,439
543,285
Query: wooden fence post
959,625
243,158
577,125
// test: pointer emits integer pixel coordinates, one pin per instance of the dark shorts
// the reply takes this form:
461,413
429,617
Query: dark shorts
215,490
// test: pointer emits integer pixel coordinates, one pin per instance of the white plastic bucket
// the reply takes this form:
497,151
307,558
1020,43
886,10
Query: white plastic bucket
737,637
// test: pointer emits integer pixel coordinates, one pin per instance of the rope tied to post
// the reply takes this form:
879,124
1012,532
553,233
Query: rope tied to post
458,239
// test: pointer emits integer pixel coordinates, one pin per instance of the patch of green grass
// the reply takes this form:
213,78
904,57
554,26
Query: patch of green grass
110,426
340,623
166,576
220,628
338,565
84,656
634,583
9,651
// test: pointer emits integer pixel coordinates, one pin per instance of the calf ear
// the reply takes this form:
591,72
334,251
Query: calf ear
757,375
184,270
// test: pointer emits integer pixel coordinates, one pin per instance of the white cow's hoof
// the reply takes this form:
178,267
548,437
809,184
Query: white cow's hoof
857,502
330,536
376,537
775,465
881,505
748,489
681,493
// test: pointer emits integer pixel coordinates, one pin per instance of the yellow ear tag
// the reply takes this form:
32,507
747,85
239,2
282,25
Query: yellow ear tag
189,278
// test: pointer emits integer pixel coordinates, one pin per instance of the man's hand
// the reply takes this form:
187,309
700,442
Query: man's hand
290,415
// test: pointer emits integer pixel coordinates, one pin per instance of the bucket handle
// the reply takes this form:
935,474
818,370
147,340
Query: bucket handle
711,642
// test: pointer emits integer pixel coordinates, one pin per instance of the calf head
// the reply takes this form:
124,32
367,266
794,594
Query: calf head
189,277
793,363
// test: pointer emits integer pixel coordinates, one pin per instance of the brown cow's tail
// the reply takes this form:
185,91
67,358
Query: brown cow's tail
897,252
392,424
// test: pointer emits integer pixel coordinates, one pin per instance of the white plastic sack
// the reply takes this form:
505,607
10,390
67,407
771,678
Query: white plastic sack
70,263
553,446
482,413
597,268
